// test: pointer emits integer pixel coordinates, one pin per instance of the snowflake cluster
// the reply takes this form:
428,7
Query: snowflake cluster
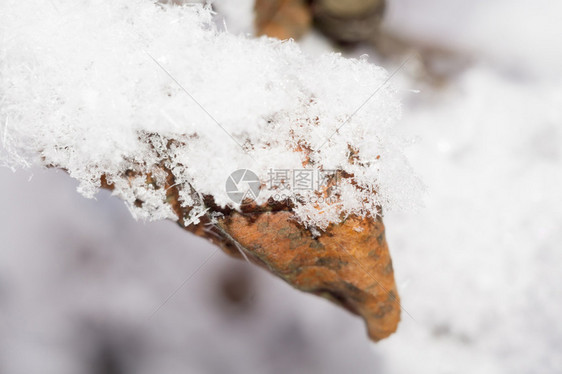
142,96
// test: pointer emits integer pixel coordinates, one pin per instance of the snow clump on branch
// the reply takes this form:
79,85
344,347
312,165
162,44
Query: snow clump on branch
144,97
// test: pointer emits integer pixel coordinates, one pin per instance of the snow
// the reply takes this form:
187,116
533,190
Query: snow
478,267
483,282
95,88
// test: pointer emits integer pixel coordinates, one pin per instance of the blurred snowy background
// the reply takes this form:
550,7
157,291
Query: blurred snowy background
477,267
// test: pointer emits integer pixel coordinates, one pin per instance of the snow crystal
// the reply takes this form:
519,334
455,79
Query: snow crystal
129,88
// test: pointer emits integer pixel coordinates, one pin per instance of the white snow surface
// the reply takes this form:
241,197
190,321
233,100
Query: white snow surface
97,88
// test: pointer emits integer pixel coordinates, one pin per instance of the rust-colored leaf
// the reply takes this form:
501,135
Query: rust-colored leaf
349,263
